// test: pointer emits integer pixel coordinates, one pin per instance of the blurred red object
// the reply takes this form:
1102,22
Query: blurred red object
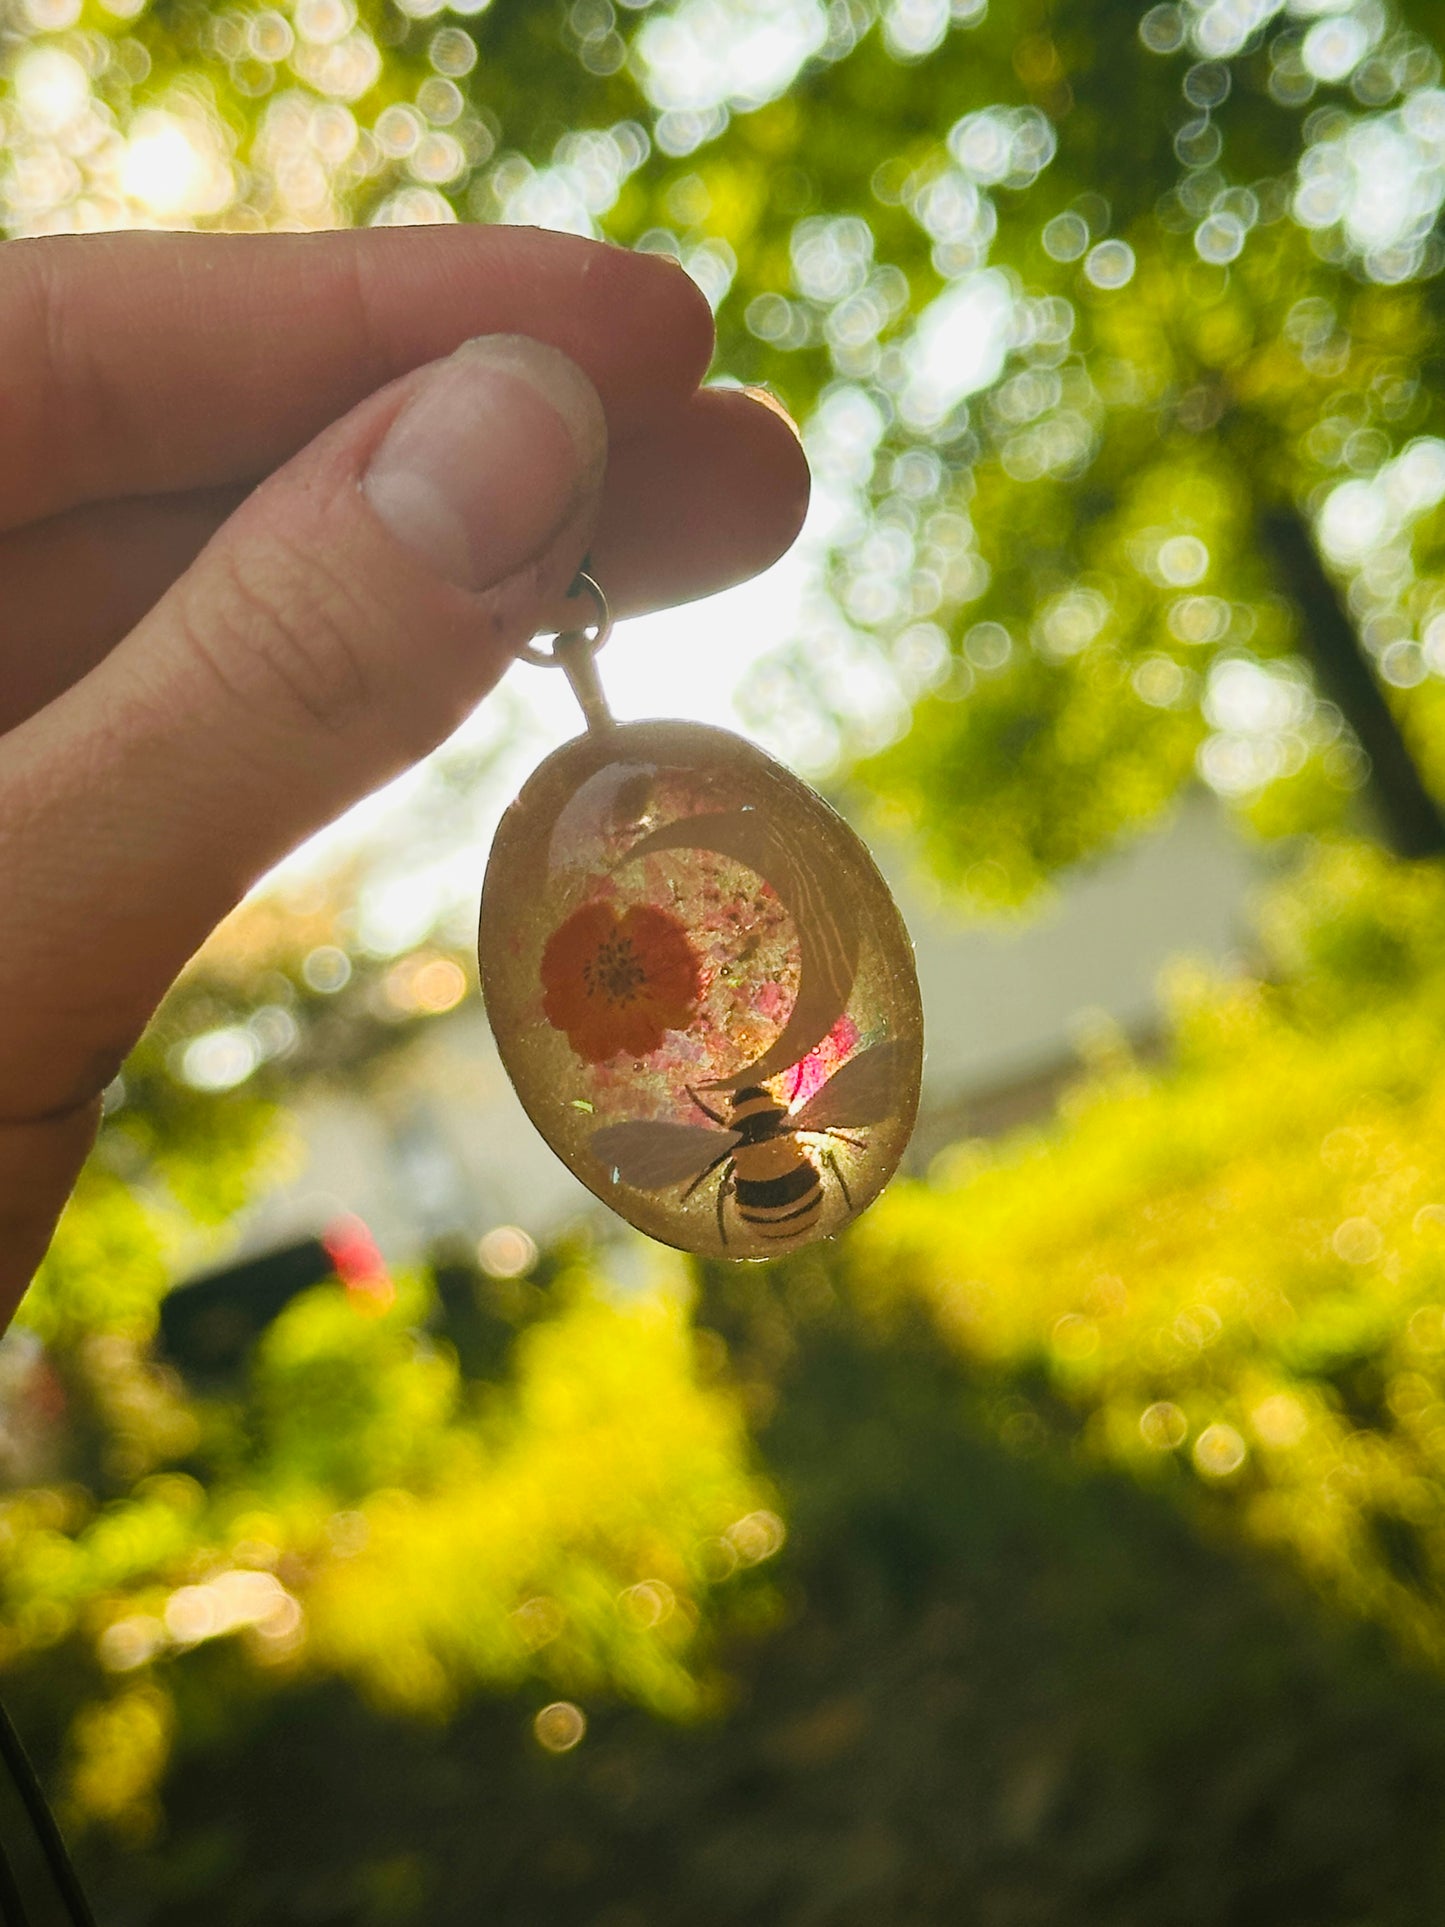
359,1263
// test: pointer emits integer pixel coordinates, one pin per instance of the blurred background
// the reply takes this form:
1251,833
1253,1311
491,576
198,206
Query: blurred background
386,1534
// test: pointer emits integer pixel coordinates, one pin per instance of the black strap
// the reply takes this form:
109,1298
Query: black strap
47,1833
12,1907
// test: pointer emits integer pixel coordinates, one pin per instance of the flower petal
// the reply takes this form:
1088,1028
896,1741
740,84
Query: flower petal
662,948
574,943
638,1032
660,985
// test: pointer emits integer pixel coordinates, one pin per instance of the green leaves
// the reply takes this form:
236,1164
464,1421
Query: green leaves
1231,1271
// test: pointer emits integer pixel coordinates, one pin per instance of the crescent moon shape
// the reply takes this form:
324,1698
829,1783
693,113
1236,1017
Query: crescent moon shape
827,948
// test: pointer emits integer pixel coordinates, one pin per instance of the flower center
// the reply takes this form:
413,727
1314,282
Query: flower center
615,971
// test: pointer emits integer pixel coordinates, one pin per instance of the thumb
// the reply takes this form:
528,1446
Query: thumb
338,625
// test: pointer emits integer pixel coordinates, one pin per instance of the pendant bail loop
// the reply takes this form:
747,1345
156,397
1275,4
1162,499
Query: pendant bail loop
575,652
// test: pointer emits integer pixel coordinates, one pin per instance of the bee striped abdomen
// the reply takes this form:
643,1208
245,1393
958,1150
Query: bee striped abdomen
782,1206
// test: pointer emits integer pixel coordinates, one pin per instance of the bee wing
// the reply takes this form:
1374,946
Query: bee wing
867,1089
653,1155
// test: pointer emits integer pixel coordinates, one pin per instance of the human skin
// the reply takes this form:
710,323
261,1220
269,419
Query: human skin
268,531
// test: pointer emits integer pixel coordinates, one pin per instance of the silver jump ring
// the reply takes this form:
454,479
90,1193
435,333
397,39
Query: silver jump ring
594,633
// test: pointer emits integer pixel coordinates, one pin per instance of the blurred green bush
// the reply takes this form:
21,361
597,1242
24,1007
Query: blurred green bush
1128,1588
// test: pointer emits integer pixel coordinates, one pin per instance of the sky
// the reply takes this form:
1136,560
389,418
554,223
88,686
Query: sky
424,844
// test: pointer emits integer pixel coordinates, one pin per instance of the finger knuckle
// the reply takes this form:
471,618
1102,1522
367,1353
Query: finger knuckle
285,634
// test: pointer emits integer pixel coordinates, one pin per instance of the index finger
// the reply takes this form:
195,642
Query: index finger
142,363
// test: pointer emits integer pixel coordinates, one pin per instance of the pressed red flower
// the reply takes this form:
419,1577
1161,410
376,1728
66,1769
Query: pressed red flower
619,983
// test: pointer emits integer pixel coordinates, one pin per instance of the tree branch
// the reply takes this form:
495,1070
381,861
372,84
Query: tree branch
1410,816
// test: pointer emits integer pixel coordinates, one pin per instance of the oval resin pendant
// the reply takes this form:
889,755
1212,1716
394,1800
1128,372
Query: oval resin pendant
701,989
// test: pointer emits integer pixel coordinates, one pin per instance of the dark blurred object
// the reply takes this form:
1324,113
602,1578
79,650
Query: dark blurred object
209,1324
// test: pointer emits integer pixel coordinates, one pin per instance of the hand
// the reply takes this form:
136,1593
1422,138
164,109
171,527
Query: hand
268,531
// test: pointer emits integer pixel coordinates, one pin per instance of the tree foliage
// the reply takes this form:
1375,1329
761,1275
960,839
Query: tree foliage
1069,303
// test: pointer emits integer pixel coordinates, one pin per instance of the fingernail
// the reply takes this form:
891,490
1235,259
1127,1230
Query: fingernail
488,459
761,392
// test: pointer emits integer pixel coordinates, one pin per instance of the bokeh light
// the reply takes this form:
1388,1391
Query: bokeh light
506,1251
560,1726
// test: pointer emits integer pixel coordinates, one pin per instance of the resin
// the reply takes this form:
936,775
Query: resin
701,989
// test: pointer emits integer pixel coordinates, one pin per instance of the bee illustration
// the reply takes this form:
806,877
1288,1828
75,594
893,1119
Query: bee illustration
775,1177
